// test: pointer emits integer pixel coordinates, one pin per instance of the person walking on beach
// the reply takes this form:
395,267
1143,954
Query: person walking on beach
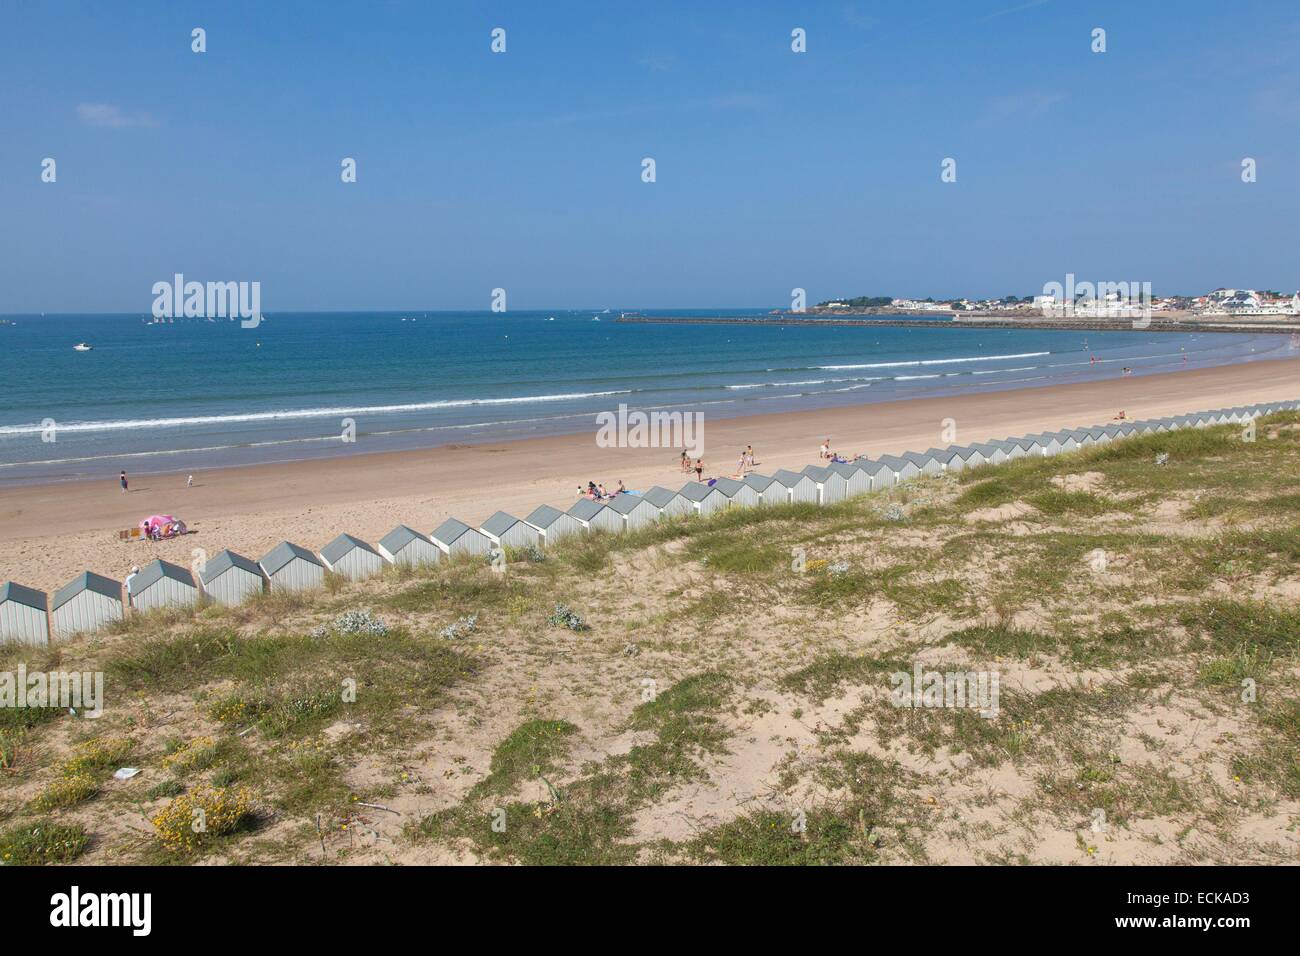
122,481
699,469
686,464
749,456
189,482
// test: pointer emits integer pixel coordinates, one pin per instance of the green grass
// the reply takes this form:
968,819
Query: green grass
529,752
38,842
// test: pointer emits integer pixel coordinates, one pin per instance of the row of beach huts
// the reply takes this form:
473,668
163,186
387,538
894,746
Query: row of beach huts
91,601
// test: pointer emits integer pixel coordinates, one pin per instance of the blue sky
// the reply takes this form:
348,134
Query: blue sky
523,170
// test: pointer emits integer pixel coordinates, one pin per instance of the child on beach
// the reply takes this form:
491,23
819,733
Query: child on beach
122,481
686,464
189,482
826,449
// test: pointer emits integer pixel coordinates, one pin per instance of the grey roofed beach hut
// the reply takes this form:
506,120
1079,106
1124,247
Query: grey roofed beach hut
1050,444
163,584
352,558
928,464
506,531
407,547
670,503
230,578
770,491
880,474
594,516
948,458
454,537
1032,447
903,468
740,494
800,487
553,524
637,512
291,567
993,453
1082,437
856,479
1067,441
971,456
705,499
830,484
1011,449
23,616
85,604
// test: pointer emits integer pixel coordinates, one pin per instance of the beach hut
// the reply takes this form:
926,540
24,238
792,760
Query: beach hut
454,537
1011,449
23,615
507,531
595,516
856,479
971,456
230,578
994,454
798,486
1082,437
670,504
1067,441
637,512
407,547
85,604
769,490
831,486
928,464
553,524
163,584
291,567
878,473
738,492
705,499
352,558
1029,447
1050,444
903,468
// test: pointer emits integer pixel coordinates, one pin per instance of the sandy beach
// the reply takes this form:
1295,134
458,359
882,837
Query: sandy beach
52,532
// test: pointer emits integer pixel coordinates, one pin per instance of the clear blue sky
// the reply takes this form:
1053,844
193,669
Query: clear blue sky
522,170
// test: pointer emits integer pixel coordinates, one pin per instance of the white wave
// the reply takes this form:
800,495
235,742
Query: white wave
296,413
950,361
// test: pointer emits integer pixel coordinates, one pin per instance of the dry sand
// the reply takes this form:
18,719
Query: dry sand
52,532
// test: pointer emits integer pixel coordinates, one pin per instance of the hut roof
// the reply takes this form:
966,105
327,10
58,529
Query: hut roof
86,581
894,461
499,524
846,469
450,530
817,473
156,570
400,537
544,516
624,504
729,486
340,546
696,491
787,478
22,594
220,563
659,496
283,553
759,482
584,509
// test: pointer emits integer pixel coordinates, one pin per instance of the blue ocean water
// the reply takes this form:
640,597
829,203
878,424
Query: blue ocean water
193,393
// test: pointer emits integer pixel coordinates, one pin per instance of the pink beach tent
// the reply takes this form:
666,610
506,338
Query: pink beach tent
162,526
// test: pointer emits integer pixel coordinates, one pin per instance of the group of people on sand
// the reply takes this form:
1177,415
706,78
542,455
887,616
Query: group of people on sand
696,466
834,457
595,492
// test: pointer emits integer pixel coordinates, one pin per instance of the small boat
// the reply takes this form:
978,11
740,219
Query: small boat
82,347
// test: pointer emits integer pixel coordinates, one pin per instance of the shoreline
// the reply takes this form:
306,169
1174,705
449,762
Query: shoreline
55,530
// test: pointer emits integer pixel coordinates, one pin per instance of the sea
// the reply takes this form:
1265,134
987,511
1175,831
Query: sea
191,394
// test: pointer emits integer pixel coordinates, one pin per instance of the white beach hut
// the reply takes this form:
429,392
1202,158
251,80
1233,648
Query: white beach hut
669,503
705,499
553,524
454,537
23,617
739,493
85,604
637,512
927,463
407,547
769,490
163,584
352,558
231,579
856,479
801,488
507,531
831,485
902,468
1029,446
291,567
878,473
594,516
